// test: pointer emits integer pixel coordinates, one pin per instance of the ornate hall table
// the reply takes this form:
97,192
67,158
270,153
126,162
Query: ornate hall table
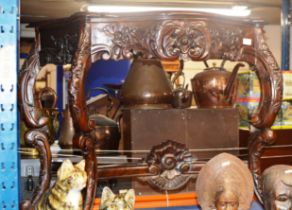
85,38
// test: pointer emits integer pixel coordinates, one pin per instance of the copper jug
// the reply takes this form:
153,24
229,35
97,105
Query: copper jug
146,86
215,87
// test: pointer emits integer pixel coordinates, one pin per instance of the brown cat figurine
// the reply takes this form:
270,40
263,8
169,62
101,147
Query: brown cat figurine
66,192
125,200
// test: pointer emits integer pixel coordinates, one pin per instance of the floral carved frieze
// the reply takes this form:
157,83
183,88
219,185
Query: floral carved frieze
163,39
180,38
226,42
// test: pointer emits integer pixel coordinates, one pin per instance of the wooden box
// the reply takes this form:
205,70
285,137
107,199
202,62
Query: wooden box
205,132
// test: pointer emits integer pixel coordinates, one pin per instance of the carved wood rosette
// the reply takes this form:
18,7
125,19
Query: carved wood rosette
170,162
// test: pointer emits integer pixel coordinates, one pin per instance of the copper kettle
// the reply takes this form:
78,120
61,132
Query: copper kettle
182,97
146,86
215,87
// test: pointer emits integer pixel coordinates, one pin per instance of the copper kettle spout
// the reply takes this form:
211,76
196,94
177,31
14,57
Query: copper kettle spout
228,89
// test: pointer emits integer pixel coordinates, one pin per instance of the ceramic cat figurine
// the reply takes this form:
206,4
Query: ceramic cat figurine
125,200
66,192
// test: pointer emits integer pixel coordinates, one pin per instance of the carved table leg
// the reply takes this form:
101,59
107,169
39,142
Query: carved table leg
87,144
257,141
36,136
39,140
77,102
262,61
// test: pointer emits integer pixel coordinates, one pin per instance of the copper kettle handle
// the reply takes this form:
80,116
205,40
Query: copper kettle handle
206,64
110,97
178,74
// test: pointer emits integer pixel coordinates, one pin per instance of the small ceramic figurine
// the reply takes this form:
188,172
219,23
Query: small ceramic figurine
66,192
277,187
125,200
225,182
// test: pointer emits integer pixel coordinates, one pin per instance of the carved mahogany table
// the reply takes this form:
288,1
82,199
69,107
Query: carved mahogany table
85,38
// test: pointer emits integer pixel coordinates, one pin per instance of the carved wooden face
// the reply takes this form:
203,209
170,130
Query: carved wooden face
277,188
225,183
227,200
280,198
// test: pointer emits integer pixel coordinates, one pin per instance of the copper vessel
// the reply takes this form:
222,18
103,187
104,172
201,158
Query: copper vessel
215,87
182,97
106,131
46,101
146,86
67,130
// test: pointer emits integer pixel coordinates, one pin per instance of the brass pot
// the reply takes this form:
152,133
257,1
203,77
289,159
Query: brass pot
146,86
215,87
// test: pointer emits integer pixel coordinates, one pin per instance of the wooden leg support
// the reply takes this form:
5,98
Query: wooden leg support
87,144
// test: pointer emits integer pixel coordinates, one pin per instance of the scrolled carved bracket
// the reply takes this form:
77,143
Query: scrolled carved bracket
171,162
270,78
29,110
39,140
36,136
257,141
77,99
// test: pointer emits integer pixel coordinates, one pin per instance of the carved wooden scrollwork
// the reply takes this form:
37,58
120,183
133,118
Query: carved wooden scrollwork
36,136
80,66
178,38
257,141
163,39
31,113
77,102
126,40
171,161
39,140
226,42
262,61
